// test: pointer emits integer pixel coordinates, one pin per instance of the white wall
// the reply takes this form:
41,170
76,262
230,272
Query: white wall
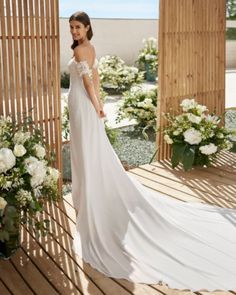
123,37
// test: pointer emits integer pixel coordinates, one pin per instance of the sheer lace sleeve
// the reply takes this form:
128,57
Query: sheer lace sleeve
82,68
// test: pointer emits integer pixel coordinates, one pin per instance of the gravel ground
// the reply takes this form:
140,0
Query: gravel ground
133,148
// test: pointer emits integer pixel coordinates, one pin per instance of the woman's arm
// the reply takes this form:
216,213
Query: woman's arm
96,83
88,83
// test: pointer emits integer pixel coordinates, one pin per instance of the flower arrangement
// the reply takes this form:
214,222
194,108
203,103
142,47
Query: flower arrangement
116,76
195,135
148,58
140,104
26,179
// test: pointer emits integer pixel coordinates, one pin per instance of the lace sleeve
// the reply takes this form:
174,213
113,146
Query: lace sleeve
82,68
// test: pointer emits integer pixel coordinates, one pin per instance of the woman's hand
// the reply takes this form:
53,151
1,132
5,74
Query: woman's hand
101,113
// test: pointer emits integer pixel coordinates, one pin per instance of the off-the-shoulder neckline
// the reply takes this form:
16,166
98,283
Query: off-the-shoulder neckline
85,61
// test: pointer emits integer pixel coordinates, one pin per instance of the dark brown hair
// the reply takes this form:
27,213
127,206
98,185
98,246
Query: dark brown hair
82,17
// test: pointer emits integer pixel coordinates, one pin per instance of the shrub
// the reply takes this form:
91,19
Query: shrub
65,80
116,76
139,104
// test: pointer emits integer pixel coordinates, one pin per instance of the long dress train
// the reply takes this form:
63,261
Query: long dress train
126,230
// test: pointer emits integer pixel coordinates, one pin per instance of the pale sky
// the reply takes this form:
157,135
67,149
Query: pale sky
145,9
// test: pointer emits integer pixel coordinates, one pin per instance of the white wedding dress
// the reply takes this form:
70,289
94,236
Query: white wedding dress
126,230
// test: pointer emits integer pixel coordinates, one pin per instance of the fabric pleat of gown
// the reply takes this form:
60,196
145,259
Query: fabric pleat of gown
125,230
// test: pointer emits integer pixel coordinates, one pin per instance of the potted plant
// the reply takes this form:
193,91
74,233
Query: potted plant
148,58
26,182
196,135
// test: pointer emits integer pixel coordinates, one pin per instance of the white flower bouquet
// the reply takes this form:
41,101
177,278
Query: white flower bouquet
26,179
196,136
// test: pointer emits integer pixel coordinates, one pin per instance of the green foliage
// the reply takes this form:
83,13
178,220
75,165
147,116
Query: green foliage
139,104
231,34
65,80
231,9
112,134
116,76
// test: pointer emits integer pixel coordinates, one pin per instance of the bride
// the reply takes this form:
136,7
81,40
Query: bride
124,229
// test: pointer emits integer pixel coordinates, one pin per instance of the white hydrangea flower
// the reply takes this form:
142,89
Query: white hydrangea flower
176,132
40,151
7,159
37,169
3,203
24,197
220,135
208,149
52,177
201,108
192,136
193,118
213,119
19,150
228,144
168,139
188,104
7,185
21,137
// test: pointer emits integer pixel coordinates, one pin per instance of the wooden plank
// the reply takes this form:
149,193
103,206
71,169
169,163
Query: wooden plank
45,263
3,289
28,81
164,289
195,182
13,279
17,97
22,59
34,94
10,58
181,193
39,68
35,279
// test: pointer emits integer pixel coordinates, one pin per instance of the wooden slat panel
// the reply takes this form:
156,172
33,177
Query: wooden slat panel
191,57
30,66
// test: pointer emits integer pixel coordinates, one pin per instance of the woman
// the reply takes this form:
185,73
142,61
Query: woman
124,229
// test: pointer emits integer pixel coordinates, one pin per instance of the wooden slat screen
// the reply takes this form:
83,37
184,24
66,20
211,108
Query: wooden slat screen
30,66
191,57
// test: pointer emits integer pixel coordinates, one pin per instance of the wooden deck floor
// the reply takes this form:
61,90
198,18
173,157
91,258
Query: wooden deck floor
49,267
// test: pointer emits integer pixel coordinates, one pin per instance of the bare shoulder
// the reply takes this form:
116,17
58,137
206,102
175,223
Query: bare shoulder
80,53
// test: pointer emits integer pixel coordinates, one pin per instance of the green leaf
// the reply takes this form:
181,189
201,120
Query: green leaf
177,155
188,157
4,235
233,149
